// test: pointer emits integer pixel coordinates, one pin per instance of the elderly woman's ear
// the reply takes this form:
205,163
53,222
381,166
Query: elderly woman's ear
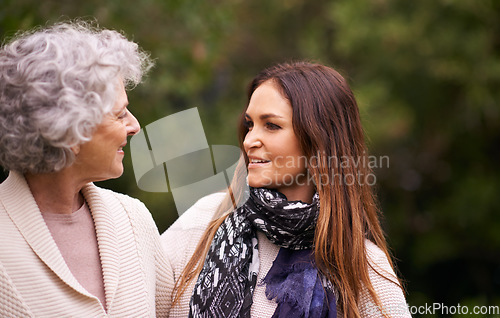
75,149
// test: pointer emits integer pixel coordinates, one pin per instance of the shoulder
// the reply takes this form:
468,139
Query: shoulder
385,284
199,215
378,260
179,241
190,226
14,185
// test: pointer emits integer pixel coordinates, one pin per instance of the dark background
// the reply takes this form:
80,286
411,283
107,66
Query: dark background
426,75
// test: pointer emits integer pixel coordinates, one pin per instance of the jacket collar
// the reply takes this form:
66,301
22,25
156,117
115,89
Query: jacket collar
21,207
105,209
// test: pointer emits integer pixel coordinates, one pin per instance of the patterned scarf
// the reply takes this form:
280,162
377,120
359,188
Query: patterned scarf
226,283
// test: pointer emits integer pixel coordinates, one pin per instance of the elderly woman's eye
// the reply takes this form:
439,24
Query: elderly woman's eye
123,115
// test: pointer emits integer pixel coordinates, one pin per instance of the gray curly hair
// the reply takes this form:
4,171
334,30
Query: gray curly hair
56,84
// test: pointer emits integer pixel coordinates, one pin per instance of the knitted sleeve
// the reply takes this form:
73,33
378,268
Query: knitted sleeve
164,283
11,305
384,283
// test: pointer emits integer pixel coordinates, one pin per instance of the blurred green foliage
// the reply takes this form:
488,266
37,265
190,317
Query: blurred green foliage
426,74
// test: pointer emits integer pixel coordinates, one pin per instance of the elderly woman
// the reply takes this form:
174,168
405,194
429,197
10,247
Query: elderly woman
68,247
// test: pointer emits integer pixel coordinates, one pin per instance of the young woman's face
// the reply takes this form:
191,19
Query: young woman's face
276,160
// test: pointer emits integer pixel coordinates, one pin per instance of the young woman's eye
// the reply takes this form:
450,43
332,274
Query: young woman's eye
272,126
248,124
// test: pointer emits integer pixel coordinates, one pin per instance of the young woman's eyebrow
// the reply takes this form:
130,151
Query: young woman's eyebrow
265,116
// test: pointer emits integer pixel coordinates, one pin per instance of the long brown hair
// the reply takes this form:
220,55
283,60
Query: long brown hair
327,124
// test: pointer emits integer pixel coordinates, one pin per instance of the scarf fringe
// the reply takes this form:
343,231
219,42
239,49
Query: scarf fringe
286,270
285,286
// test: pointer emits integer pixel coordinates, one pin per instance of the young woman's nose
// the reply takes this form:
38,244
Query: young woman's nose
252,140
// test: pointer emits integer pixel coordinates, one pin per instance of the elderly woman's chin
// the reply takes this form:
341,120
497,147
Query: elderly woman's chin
116,169
101,158
91,168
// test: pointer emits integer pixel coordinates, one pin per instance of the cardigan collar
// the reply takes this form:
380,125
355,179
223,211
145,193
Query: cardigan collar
21,207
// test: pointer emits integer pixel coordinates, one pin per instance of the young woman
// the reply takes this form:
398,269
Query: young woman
307,242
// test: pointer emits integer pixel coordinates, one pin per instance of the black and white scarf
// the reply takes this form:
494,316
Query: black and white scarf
226,283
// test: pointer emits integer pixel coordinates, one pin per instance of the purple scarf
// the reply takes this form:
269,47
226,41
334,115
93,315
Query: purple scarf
294,282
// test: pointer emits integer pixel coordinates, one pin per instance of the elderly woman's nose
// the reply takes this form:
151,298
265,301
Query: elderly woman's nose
133,126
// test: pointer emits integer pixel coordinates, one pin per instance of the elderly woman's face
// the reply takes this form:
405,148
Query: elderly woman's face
101,157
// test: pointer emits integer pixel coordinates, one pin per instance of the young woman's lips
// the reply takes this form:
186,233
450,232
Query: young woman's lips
257,163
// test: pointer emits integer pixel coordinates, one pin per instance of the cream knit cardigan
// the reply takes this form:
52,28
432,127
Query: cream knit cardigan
36,282
180,241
